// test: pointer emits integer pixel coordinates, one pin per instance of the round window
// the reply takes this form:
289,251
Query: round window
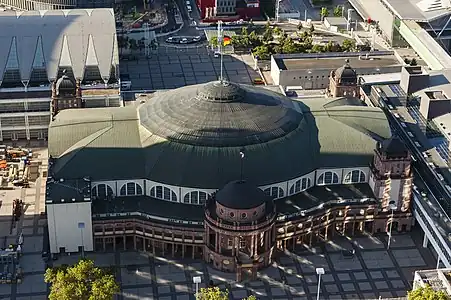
226,262
243,216
232,214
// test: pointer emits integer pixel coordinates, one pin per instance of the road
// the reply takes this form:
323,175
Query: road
426,181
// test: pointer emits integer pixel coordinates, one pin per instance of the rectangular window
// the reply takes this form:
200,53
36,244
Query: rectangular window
159,192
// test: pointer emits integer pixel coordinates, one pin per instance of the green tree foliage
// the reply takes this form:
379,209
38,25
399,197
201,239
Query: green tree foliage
82,281
338,11
214,41
324,12
348,45
214,293
427,293
317,48
300,26
278,31
268,34
263,52
312,28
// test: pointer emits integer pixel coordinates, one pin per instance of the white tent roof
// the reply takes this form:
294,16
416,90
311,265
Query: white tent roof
67,38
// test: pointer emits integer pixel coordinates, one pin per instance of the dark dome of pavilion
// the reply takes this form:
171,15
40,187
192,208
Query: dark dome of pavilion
241,195
219,114
346,73
65,85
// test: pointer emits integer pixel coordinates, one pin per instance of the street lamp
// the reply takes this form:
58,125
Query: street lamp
319,271
392,206
197,280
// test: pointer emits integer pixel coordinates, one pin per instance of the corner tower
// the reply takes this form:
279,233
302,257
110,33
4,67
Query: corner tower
343,82
239,229
66,93
391,175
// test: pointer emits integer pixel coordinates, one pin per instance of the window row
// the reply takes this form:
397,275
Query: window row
300,185
275,192
164,193
198,197
195,197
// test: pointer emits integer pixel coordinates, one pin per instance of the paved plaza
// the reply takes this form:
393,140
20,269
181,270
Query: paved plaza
371,273
176,67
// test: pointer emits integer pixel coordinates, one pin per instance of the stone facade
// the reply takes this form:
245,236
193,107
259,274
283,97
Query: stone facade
343,82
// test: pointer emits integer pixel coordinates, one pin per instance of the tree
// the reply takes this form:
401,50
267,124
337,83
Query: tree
289,46
312,29
267,35
82,281
214,41
338,11
317,48
300,26
324,13
214,293
427,293
278,31
348,45
262,52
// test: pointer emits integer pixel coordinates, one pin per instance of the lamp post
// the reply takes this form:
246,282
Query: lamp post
196,281
392,207
319,271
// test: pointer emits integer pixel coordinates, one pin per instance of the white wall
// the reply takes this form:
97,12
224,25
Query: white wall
63,220
275,71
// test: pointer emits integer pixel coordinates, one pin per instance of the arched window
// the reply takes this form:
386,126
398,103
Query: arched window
274,191
131,189
101,191
164,193
355,176
300,185
195,197
328,177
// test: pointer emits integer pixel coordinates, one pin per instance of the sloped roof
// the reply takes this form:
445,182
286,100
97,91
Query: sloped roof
112,144
58,38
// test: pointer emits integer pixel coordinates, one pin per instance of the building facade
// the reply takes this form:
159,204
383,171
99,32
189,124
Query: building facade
55,4
228,10
36,48
229,191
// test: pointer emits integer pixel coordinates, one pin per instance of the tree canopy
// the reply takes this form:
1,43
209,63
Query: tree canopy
82,281
214,293
427,293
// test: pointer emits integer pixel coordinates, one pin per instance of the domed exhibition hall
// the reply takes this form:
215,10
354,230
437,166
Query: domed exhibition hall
224,172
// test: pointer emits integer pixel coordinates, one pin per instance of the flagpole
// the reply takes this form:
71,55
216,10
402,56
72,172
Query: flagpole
221,32
241,163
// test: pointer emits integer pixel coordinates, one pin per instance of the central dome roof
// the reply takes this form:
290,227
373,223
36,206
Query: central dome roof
219,114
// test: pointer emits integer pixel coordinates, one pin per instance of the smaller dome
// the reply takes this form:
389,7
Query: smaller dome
65,85
221,92
241,195
346,74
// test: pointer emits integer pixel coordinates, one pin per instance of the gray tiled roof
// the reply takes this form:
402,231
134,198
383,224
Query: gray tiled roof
110,144
44,32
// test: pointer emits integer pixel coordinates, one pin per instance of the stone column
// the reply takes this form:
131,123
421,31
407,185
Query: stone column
134,242
425,241
252,245
216,242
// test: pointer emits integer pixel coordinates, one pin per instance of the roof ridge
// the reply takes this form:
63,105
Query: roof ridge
72,151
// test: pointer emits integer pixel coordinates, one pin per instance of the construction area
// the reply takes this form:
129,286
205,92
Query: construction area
20,170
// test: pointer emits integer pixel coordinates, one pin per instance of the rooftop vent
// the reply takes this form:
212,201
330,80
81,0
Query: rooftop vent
431,5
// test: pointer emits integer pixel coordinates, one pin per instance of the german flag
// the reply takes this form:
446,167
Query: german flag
226,40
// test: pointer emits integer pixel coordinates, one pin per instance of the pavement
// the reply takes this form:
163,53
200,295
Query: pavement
172,67
371,273
32,227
